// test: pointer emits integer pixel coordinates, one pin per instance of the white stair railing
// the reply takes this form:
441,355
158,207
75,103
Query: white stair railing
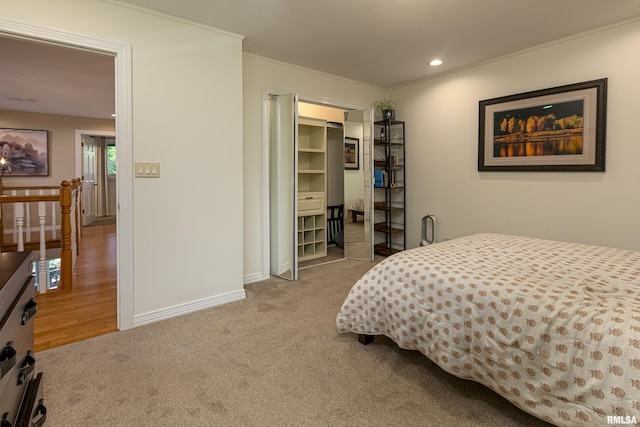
24,209
42,270
19,216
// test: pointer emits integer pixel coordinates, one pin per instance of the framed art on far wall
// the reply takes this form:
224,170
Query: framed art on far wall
556,129
351,153
25,151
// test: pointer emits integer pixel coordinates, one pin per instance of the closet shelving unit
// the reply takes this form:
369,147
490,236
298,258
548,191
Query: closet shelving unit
389,187
312,188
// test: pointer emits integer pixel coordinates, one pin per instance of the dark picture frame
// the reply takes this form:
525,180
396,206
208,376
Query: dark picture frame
26,152
351,153
557,129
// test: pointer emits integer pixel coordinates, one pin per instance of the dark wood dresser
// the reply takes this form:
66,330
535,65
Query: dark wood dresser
21,402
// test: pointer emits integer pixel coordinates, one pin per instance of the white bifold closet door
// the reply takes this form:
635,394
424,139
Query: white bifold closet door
283,183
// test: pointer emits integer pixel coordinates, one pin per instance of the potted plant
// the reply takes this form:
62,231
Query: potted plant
387,107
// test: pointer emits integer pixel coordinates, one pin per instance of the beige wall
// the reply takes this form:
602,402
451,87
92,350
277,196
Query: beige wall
61,141
261,76
186,99
442,140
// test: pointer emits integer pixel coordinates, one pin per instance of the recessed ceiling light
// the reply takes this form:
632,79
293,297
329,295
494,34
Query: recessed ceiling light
435,62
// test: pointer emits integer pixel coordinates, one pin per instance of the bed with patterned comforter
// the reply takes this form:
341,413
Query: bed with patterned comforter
554,327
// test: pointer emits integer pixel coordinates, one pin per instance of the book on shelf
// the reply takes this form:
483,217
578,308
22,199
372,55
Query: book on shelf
379,178
384,179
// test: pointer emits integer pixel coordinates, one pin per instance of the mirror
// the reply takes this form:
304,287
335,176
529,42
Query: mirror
357,186
282,113
335,190
353,182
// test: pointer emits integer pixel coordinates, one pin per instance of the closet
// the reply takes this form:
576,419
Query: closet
312,189
313,174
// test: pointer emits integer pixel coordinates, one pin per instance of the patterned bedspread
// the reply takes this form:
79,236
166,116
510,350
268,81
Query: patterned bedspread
553,327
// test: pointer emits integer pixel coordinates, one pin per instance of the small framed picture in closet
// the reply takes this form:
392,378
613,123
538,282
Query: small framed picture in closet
351,153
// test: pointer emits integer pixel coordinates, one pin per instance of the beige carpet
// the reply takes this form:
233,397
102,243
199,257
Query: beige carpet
274,359
334,253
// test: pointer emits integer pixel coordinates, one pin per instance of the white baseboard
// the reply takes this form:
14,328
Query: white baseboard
190,307
255,277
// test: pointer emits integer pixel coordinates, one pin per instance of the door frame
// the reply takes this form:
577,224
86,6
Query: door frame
79,154
266,92
124,130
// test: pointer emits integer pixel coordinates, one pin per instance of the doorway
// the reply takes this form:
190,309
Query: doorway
348,192
306,180
98,169
124,183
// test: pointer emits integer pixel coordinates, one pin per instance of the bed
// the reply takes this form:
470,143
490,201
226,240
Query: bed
553,327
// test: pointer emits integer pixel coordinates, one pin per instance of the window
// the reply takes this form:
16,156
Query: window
111,160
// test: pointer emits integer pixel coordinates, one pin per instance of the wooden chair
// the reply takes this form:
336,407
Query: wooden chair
335,222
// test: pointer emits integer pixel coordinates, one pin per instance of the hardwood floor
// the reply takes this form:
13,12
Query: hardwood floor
90,308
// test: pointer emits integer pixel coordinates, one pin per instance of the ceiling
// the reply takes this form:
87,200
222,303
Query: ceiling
42,78
385,43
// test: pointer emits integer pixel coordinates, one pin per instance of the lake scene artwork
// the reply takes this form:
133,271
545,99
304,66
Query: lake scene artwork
543,130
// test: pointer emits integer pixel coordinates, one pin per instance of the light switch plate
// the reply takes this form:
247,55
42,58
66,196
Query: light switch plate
147,169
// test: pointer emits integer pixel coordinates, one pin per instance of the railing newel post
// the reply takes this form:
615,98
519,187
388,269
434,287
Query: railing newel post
66,256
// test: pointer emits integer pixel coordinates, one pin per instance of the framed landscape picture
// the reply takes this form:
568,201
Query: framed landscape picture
25,152
557,129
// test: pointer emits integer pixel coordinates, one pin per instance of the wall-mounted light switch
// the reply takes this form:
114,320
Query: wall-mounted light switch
147,169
